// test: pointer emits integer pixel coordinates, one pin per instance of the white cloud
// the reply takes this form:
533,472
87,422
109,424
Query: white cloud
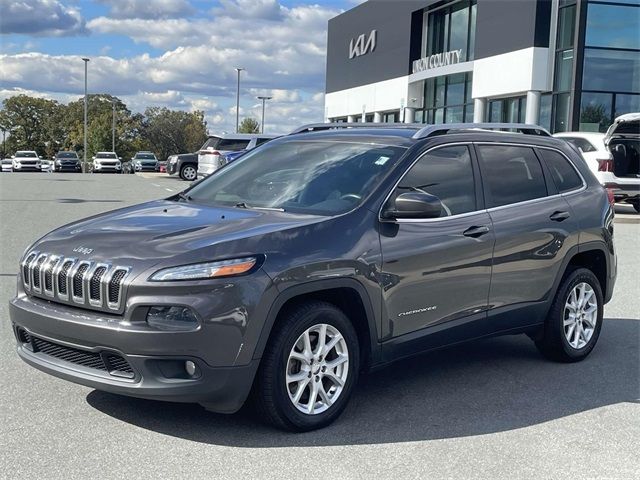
284,57
40,17
148,8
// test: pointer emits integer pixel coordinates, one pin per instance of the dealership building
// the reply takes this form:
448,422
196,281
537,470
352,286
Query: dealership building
564,64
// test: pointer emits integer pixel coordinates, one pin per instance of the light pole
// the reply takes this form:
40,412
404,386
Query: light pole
264,99
113,125
4,142
84,153
238,69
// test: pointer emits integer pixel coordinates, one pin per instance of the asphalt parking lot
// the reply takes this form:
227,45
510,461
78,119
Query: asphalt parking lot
490,409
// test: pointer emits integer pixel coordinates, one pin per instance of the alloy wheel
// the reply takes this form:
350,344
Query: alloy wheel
580,315
317,369
189,173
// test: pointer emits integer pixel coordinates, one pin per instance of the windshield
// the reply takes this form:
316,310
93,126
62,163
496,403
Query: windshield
67,155
315,177
145,156
26,154
106,155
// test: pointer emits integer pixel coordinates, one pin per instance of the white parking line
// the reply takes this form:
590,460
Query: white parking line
169,190
155,184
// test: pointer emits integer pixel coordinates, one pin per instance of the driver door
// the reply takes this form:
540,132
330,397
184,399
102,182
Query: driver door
438,270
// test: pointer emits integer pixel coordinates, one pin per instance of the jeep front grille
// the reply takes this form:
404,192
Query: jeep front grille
69,280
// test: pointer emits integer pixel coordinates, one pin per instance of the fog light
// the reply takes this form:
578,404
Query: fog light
172,318
190,367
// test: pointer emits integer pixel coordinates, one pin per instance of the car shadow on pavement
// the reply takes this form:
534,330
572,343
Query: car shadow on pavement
487,386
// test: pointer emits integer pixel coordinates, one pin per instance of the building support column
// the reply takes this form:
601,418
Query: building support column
351,118
479,110
409,115
532,114
377,117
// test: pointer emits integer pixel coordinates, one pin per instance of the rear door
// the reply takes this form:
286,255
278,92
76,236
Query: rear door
534,229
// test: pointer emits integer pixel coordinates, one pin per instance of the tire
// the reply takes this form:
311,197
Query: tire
188,172
560,342
272,393
636,205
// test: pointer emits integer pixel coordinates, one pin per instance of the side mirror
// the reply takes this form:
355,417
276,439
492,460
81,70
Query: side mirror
414,205
40,157
13,156
119,158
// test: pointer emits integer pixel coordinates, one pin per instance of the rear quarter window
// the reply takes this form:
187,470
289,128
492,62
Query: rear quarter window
585,145
510,174
232,145
563,173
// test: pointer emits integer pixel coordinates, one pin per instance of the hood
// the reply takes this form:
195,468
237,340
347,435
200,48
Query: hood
624,126
146,234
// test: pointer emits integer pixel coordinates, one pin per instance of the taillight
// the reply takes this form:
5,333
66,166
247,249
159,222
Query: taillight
605,165
612,198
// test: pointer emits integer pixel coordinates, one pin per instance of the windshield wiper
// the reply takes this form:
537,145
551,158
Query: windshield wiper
246,205
185,197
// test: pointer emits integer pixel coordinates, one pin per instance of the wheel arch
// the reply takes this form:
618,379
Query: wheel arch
346,294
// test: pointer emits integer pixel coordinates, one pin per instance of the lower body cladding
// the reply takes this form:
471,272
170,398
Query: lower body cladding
212,365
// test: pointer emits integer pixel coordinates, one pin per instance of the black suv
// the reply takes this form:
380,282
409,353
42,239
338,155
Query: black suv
320,255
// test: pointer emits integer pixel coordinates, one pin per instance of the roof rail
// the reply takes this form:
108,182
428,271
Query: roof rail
316,127
526,129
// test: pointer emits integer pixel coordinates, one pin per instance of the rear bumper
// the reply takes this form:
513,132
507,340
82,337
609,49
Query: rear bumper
623,191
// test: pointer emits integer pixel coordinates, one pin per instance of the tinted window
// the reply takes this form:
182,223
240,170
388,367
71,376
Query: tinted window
232,145
581,143
446,173
611,70
613,26
510,174
67,155
563,173
106,155
260,141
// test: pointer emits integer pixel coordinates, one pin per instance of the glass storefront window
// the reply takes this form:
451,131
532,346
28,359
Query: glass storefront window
564,70
455,89
495,111
561,113
595,111
611,70
440,91
613,26
545,111
451,28
627,104
566,27
454,115
468,113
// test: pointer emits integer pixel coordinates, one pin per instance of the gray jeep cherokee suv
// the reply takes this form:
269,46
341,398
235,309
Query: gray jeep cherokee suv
320,255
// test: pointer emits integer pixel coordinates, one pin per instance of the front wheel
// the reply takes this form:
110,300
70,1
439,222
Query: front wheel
573,325
188,173
309,368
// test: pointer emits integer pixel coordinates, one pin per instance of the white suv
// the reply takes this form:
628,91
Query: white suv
107,162
614,157
25,161
212,154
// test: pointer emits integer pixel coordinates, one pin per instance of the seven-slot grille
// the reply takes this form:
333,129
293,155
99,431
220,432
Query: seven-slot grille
82,282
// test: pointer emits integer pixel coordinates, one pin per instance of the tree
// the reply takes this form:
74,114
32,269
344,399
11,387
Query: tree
167,132
249,125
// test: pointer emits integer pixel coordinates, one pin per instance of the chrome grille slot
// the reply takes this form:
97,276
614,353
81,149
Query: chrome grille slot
26,272
77,283
36,267
114,289
65,279
62,278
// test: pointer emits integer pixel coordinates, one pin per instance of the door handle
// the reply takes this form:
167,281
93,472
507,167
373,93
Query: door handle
559,216
475,231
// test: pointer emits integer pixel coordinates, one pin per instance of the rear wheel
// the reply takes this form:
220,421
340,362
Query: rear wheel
636,204
188,173
573,325
309,368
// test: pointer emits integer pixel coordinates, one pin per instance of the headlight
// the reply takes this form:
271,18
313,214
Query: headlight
203,271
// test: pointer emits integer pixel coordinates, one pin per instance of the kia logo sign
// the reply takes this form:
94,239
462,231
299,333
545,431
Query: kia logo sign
362,45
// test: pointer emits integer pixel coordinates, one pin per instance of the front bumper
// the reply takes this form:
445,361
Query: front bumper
172,168
156,374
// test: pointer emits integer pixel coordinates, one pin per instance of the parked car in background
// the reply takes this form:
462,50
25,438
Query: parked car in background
107,162
67,162
26,161
613,157
185,165
144,162
47,166
6,164
212,154
161,167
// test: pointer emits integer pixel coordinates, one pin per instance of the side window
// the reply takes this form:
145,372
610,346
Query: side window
563,173
582,144
510,174
260,141
446,173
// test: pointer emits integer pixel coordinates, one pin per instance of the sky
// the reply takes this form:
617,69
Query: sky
179,54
